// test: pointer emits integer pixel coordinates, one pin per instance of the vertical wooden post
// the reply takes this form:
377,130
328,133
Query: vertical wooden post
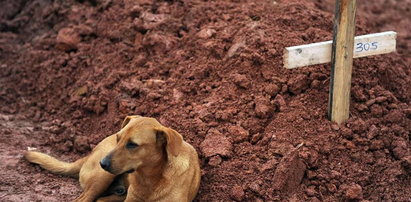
342,59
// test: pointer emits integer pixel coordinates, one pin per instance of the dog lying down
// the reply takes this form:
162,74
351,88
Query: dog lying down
144,161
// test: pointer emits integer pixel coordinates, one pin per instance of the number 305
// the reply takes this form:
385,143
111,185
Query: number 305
366,46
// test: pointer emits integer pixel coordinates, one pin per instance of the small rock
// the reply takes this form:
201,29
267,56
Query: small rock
138,40
154,83
331,188
298,84
238,133
400,149
263,108
154,96
272,89
241,80
255,186
256,137
289,173
311,174
305,116
66,147
132,86
55,129
381,99
395,116
284,88
358,94
310,157
81,144
346,133
372,132
376,144
237,193
82,91
206,33
216,143
394,106
67,39
215,161
362,107
83,30
310,191
125,105
177,95
315,84
95,104
280,103
78,114
359,126
350,145
370,102
335,127
150,20
335,174
376,110
354,192
233,50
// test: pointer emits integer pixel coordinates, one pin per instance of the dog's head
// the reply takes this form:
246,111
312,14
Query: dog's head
142,142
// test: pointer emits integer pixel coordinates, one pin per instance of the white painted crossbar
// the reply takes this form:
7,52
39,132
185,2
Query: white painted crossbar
319,53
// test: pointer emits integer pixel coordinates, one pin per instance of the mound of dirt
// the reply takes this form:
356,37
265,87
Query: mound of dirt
212,70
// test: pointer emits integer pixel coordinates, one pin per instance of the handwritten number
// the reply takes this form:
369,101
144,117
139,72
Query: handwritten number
359,47
374,45
366,47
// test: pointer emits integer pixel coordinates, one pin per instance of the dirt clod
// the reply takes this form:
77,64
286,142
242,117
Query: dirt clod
215,161
81,144
353,192
68,39
263,107
216,143
238,133
298,84
272,89
237,193
241,80
311,191
289,173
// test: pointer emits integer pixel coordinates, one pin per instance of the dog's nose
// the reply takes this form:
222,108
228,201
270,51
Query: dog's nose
105,163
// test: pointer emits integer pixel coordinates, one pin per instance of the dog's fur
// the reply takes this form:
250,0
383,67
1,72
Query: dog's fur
153,161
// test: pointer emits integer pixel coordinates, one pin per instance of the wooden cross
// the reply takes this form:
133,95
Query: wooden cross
340,52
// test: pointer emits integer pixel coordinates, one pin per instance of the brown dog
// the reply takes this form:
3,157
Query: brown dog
161,165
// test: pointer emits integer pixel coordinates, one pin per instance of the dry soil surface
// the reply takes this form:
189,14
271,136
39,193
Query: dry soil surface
70,71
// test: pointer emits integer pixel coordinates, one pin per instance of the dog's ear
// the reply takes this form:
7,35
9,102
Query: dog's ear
173,140
127,119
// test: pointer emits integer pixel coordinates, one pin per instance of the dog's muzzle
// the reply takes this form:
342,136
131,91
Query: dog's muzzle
105,163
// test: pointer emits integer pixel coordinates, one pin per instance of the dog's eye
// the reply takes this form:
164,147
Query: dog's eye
131,145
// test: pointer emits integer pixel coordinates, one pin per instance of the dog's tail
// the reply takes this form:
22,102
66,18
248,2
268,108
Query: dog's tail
52,164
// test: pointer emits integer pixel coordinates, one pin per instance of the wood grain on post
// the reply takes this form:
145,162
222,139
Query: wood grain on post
342,59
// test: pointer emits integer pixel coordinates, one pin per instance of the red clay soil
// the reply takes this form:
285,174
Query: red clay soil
212,70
